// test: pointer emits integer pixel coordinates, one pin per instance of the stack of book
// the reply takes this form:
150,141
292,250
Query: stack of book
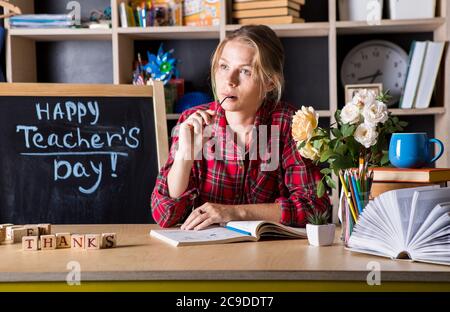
42,21
387,179
425,59
267,11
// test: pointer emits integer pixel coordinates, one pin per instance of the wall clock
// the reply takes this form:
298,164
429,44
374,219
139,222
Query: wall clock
377,61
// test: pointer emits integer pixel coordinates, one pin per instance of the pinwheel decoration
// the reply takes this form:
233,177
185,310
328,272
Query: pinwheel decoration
162,66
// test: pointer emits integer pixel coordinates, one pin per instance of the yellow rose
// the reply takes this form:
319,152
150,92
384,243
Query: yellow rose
304,123
308,151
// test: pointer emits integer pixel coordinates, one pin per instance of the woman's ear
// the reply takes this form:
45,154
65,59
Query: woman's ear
269,87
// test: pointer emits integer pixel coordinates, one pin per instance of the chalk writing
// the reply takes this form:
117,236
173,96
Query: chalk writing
82,136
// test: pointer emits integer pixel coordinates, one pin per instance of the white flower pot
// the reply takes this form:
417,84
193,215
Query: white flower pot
360,10
320,235
410,9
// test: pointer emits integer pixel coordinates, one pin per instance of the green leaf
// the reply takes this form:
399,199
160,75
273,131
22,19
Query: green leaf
320,189
348,130
326,155
385,159
336,132
337,115
325,171
301,145
330,182
341,149
317,144
342,163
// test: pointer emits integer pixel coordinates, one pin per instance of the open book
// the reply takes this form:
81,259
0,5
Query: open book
233,231
412,223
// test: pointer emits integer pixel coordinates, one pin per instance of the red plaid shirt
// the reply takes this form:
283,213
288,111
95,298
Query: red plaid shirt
234,180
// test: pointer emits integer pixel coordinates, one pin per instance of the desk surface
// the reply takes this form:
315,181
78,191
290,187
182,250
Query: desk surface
142,258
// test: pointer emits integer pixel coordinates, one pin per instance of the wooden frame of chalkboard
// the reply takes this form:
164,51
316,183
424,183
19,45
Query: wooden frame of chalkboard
78,153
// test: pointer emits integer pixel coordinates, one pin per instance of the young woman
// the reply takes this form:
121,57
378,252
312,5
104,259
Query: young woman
230,179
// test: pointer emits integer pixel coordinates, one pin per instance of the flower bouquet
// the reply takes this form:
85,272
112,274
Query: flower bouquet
358,139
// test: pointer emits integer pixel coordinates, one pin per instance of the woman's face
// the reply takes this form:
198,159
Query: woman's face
235,76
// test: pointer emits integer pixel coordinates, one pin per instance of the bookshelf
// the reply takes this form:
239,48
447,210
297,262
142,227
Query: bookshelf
314,52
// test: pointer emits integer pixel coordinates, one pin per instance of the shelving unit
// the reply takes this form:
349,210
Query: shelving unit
314,52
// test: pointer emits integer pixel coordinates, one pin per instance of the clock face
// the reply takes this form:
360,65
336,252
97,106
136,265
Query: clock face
377,61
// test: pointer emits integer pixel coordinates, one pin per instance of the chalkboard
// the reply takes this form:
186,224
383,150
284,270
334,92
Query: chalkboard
80,154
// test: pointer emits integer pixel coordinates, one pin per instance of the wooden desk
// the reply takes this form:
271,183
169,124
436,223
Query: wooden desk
145,263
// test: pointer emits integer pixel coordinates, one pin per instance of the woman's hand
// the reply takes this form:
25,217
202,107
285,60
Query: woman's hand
209,213
190,128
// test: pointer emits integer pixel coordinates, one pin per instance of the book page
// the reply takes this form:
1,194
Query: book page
431,223
423,202
380,223
191,237
387,209
266,228
403,199
370,233
245,226
440,230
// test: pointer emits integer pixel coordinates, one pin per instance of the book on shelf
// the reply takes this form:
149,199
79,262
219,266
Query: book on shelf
420,175
416,57
378,188
266,4
42,21
409,224
301,2
271,20
233,231
265,12
430,70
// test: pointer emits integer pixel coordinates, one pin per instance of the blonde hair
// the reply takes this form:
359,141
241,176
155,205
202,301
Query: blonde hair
269,57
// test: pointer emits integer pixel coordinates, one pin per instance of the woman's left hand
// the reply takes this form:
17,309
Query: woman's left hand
209,213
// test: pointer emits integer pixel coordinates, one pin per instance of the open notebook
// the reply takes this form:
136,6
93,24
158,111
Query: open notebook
233,231
412,223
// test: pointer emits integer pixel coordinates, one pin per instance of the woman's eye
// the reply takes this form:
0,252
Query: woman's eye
223,66
246,72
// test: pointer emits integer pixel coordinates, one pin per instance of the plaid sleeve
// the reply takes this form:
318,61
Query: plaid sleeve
167,211
300,178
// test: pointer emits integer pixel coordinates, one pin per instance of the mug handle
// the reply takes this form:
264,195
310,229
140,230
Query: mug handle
441,149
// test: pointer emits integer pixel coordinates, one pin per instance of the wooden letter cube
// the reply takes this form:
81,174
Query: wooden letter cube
32,230
9,231
17,234
93,241
2,234
45,228
30,243
109,240
63,240
77,241
48,242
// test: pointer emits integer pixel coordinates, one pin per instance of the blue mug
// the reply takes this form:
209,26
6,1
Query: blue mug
412,150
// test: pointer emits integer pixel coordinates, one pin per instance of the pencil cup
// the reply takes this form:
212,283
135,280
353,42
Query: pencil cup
351,209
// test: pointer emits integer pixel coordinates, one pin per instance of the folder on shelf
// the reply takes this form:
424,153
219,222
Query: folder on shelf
431,65
416,56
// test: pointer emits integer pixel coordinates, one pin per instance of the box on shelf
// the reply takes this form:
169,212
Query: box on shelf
201,12
360,10
411,9
173,91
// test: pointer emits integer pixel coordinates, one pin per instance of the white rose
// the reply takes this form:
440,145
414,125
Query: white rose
366,135
364,97
350,114
375,113
308,151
